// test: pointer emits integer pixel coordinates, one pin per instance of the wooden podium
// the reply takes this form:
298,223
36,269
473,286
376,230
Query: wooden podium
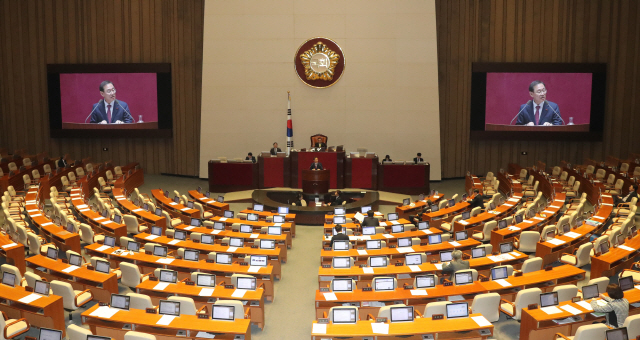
315,181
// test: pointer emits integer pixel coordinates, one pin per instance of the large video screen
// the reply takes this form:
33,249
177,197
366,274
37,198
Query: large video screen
534,101
110,100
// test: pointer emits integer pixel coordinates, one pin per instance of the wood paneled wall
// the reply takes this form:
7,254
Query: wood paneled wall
536,31
35,33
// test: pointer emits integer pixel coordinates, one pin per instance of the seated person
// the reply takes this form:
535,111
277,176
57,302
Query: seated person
418,159
316,165
418,217
616,307
62,162
455,265
633,192
387,159
319,143
339,235
275,149
299,199
370,221
250,157
476,201
336,198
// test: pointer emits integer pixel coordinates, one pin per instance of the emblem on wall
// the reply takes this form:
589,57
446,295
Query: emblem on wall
319,62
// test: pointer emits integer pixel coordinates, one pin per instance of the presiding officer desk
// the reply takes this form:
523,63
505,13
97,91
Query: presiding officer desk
202,296
116,325
148,263
45,311
101,225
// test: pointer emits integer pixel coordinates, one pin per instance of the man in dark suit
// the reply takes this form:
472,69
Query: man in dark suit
250,157
298,200
633,192
109,110
455,265
316,165
539,111
62,162
336,198
339,235
476,201
370,221
319,143
414,219
418,159
275,149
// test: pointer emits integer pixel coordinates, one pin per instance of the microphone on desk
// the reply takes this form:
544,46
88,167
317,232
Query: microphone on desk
127,111
554,111
519,112
93,110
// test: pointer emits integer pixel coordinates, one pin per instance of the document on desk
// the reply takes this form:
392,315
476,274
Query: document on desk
30,298
206,292
367,270
33,211
98,219
185,209
585,305
277,224
151,237
455,298
222,219
36,215
538,218
330,296
414,268
172,242
161,286
623,247
238,293
70,269
572,234
395,222
232,249
12,244
571,309
419,292
165,320
454,243
481,321
319,328
382,224
513,228
173,203
403,250
83,206
463,222
216,232
253,269
165,260
380,328
551,310
427,231
388,236
254,235
547,212
102,248
189,227
205,335
46,224
104,312
556,241
514,254
362,252
438,266
503,283
508,205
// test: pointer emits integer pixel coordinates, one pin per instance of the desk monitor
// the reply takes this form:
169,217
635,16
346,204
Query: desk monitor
413,259
457,310
191,255
103,267
274,230
506,247
465,215
383,283
218,225
341,262
566,228
434,208
167,307
478,252
206,280
452,202
590,292
531,213
424,225
549,299
406,201
190,204
368,230
392,216
180,235
617,334
282,210
633,230
168,276
404,242
364,210
518,218
604,247
461,235
110,241
463,278
176,199
397,228
502,224
155,230
41,287
252,217
435,239
221,312
340,245
49,334
267,244
117,218
258,207
160,251
245,228
120,301
97,337
344,315
626,283
426,281
342,285
378,261
9,279
338,211
374,244
499,273
551,234
249,283
105,214
207,194
223,258
258,260
339,220
445,256
228,213
195,222
401,314
72,229
421,197
236,242
206,239
579,221
492,206
199,189
75,260
52,253
620,239
278,219
220,198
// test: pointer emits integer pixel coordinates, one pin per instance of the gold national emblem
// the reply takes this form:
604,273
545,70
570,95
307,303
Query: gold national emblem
319,62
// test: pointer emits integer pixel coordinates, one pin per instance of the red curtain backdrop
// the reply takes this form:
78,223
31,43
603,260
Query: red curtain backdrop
361,173
273,172
79,91
329,161
507,91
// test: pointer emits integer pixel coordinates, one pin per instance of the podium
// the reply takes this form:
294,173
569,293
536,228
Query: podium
315,181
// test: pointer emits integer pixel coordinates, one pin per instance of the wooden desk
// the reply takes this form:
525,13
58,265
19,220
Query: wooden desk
614,260
288,218
389,238
404,179
404,211
16,180
232,176
209,204
281,240
361,173
128,182
477,221
130,208
13,252
101,285
63,239
46,311
176,210
287,227
351,225
99,224
252,297
545,280
148,263
472,182
436,218
141,321
274,172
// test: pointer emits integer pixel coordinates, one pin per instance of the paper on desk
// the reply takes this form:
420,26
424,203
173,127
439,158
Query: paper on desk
102,248
367,270
205,335
253,269
547,212
206,292
36,215
185,209
70,269
189,227
463,222
98,219
30,298
161,286
165,320
388,235
173,203
538,218
104,312
222,219
358,216
46,224
165,260
382,224
403,250
571,234
455,298
414,268
12,244
503,283
151,237
514,254
395,222
232,249
172,242
427,231
626,248
362,252
438,266
83,206
277,224
319,328
254,236
527,221
216,232
33,211
238,293
571,309
508,205
513,228
330,296
419,292
454,243
551,310
481,321
380,328
556,241
513,200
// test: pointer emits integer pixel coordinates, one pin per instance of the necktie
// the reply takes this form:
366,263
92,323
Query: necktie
109,114
538,115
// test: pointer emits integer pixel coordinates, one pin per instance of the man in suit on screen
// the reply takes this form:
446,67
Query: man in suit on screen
109,110
539,111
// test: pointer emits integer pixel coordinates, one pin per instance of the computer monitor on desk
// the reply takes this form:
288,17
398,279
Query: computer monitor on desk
252,217
109,241
373,244
364,209
245,228
278,219
41,288
401,314
392,216
465,215
248,283
206,239
519,218
406,201
206,280
159,212
341,262
434,208
120,301
223,258
258,207
155,230
340,245
617,334
378,261
549,299
191,255
502,224
590,292
220,199
425,281
626,283
341,285
102,266
424,225
9,279
49,334
228,213
383,283
195,222
413,259
218,225
339,220
133,246
368,230
445,256
338,211
258,260
283,211
457,310
461,235
274,230
478,252
236,242
435,239
404,242
167,307
463,278
397,228
168,276
604,247
499,273
506,247
97,337
52,253
160,251
267,244
222,312
75,260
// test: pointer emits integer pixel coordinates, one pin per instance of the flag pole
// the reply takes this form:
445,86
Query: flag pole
289,125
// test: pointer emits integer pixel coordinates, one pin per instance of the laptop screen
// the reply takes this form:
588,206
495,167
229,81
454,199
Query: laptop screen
342,285
423,225
110,241
223,258
75,260
617,334
339,220
499,273
457,310
228,213
374,244
258,260
168,276
445,256
41,288
274,230
341,262
267,244
340,245
478,252
392,216
344,315
412,259
435,239
8,279
590,292
426,281
283,210
245,228
278,219
246,283
258,207
463,278
221,312
404,242
169,308
191,255
549,299
160,251
383,283
506,247
120,301
364,210
368,230
252,217
206,239
626,283
205,280
401,314
50,334
236,242
103,267
461,235
378,261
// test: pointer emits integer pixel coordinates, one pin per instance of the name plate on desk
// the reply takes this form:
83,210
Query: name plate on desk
151,310
447,284
381,320
437,317
210,261
323,320
190,283
367,289
533,306
229,286
153,278
202,316
324,289
517,274
548,268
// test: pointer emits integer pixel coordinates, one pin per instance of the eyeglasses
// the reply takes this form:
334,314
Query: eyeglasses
541,91
112,91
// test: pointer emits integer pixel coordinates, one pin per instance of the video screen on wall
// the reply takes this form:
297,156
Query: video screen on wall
110,100
535,101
